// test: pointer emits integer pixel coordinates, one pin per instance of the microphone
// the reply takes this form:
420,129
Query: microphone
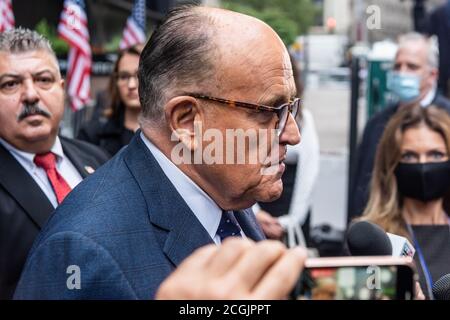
401,247
441,288
365,238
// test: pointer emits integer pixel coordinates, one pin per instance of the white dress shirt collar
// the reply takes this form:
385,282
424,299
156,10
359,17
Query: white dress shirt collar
428,99
201,204
63,164
28,158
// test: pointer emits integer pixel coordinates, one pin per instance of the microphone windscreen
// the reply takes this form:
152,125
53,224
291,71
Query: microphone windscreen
441,288
365,238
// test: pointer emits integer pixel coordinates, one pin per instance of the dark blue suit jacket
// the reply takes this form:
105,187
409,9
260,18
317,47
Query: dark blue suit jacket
125,228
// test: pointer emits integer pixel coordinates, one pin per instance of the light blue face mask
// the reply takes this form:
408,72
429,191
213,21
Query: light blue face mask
405,86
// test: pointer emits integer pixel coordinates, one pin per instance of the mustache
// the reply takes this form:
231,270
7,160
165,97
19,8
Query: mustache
31,110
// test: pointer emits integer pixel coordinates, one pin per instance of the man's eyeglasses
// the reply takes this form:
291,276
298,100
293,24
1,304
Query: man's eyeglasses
282,111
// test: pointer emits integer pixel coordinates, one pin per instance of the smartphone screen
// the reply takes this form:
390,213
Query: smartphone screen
393,282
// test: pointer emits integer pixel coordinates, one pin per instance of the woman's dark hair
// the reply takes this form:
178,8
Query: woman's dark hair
116,108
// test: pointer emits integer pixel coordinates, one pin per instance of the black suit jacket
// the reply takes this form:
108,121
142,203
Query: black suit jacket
110,135
439,25
24,208
366,154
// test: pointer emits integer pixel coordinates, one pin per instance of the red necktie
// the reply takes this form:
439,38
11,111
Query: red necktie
47,161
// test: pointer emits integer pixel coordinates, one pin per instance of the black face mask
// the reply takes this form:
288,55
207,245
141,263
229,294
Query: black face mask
423,181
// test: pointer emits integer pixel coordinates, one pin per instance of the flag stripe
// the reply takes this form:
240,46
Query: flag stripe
73,28
137,33
75,20
7,20
74,39
134,31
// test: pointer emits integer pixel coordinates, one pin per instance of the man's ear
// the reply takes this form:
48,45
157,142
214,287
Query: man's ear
434,73
181,114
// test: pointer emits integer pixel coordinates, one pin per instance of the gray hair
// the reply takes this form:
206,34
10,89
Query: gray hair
24,40
433,51
178,54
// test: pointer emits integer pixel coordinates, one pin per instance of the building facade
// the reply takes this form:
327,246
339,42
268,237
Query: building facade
395,17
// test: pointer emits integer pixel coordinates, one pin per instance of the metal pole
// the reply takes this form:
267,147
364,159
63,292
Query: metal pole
420,16
355,84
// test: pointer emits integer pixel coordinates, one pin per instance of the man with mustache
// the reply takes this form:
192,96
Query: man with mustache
32,109
38,168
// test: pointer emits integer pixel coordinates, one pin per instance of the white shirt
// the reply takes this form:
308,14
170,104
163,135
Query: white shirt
201,204
429,97
63,165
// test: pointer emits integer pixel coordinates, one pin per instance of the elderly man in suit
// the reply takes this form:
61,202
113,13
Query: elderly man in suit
125,229
37,167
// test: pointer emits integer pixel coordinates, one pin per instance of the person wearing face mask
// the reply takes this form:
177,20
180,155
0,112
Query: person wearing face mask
413,80
410,187
118,126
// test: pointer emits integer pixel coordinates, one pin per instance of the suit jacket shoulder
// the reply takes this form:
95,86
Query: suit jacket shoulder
85,156
129,212
110,135
442,102
87,150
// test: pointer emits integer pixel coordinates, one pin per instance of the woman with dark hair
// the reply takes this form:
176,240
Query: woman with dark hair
410,187
117,128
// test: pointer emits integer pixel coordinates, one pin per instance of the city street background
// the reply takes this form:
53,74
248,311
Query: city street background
329,103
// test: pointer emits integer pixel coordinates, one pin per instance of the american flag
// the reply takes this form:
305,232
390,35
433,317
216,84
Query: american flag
73,29
134,32
6,15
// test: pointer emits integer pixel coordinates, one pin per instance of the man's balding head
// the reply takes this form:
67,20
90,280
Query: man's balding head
244,46
195,48
179,53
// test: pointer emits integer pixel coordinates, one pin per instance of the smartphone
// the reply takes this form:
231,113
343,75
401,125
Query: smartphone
357,278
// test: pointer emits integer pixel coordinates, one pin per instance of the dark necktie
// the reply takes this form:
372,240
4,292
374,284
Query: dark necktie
228,226
47,161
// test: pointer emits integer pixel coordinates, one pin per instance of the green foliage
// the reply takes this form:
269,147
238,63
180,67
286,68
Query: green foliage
113,44
286,29
59,46
288,18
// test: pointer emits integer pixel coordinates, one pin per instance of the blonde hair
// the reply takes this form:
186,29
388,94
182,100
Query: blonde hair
385,203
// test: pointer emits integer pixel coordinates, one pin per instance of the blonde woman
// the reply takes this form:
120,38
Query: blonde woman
410,182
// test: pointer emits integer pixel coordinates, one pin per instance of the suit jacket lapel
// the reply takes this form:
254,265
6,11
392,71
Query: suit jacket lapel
167,209
22,187
249,225
76,158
